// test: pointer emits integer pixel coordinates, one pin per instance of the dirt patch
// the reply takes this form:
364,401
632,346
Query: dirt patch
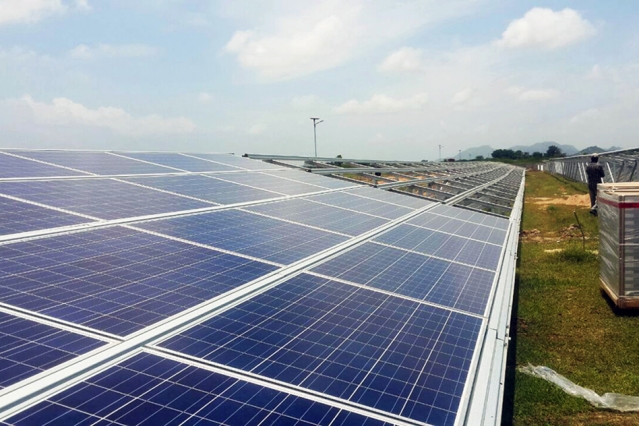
553,251
570,200
569,232
531,235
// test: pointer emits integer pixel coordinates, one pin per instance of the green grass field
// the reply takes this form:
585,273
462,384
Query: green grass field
562,319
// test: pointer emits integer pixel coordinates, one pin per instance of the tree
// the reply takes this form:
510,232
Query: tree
503,153
479,157
554,151
537,154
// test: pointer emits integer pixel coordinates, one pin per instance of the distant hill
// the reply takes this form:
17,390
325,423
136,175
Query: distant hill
472,153
487,150
596,149
543,147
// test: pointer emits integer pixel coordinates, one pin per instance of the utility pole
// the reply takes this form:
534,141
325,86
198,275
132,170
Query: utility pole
315,123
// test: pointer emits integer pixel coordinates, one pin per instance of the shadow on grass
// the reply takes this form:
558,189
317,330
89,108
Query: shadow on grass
508,405
615,310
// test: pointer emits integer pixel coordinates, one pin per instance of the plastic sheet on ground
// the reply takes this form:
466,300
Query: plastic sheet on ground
611,401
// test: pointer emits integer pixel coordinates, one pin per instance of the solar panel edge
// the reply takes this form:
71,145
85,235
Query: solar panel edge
58,323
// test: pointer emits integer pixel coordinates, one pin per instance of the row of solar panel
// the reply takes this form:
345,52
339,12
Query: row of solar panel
91,199
378,351
383,350
119,280
22,163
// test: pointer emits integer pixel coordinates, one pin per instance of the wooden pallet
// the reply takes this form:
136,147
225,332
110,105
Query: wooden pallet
622,302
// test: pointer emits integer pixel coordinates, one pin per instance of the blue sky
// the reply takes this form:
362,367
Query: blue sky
391,79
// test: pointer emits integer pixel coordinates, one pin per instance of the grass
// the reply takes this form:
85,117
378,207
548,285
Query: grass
562,319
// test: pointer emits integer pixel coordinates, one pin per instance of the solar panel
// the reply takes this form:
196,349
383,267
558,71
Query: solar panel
459,227
310,178
100,198
101,163
236,161
391,197
377,350
16,216
446,246
14,167
179,161
362,205
249,234
28,347
320,215
413,275
151,390
206,188
271,183
115,279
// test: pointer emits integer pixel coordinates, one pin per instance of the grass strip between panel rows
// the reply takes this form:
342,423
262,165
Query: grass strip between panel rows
562,319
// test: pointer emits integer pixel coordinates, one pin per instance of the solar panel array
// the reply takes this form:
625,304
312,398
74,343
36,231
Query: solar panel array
259,294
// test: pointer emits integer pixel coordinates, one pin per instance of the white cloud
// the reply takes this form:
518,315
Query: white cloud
65,112
324,45
256,129
462,97
102,50
585,116
406,59
299,38
204,97
31,11
304,102
524,94
383,104
541,27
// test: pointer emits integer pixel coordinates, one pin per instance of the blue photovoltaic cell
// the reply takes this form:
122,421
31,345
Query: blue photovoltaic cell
150,390
232,160
206,188
100,198
271,183
473,217
451,211
14,167
116,279
249,234
451,247
179,161
391,197
321,216
28,347
16,216
101,163
311,178
361,204
459,227
377,350
414,275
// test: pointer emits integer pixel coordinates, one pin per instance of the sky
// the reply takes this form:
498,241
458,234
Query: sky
392,79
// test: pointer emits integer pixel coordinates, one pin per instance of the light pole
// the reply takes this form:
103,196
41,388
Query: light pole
460,155
440,153
315,123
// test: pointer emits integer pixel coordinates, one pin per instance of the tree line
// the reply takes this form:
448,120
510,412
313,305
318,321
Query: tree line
552,152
